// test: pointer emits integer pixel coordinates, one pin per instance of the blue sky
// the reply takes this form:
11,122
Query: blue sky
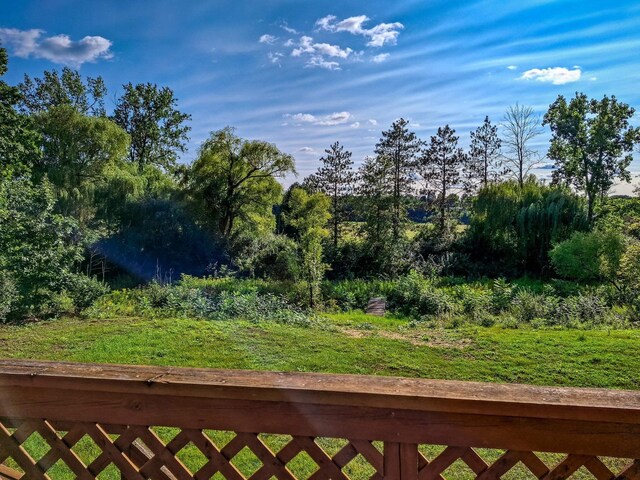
304,74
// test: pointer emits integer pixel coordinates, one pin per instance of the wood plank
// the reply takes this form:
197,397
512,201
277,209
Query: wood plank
354,390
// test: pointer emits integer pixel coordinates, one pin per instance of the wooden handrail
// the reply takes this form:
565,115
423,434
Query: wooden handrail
400,412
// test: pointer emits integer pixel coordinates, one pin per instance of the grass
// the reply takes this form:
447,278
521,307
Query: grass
347,343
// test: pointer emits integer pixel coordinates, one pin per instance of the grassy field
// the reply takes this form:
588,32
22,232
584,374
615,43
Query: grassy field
344,343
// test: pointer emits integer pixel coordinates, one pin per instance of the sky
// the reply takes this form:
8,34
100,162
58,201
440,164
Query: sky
305,74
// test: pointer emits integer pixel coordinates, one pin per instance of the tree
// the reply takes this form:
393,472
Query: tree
75,150
400,147
158,131
18,139
234,180
513,227
308,216
335,179
589,256
54,90
440,168
484,162
591,144
37,253
521,125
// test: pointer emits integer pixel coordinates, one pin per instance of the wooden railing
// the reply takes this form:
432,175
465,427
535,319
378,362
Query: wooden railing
98,421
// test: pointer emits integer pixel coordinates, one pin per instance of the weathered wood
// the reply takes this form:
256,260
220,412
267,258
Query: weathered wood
376,306
62,402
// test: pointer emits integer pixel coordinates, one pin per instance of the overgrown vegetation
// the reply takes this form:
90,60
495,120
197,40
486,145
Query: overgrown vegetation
92,201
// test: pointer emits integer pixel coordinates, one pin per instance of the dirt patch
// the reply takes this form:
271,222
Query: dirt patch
431,338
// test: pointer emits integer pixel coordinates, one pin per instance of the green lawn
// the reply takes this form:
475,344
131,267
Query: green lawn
345,343
348,343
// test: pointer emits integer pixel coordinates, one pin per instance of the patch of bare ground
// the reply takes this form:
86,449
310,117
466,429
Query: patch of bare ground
430,338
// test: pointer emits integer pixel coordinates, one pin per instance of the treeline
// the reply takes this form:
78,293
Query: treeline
91,199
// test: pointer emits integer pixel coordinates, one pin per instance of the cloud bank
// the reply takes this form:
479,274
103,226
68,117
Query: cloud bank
555,75
58,48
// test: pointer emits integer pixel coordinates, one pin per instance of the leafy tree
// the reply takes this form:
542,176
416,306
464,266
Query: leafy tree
484,162
589,256
335,179
400,147
38,254
521,125
157,128
309,215
75,150
68,88
233,181
440,169
591,144
18,140
513,227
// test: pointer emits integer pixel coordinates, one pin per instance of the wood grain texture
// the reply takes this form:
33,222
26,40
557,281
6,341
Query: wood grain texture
116,406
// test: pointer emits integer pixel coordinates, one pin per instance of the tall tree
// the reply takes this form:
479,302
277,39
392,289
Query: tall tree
308,216
375,194
18,140
335,179
234,179
157,128
55,89
521,125
484,163
75,151
440,167
400,147
591,144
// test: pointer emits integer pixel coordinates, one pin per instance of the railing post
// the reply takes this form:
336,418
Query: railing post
400,461
408,461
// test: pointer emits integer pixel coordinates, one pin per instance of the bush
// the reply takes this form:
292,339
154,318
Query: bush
8,295
84,290
527,306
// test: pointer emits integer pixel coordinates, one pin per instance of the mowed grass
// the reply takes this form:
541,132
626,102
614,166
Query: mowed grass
344,343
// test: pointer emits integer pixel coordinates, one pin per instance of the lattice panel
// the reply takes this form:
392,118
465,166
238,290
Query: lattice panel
513,464
39,449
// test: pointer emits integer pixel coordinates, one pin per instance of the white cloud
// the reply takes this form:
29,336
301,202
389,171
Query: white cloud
285,26
378,35
336,118
593,79
355,125
512,67
555,75
58,48
289,43
302,117
380,58
318,61
306,45
274,57
306,150
372,121
268,39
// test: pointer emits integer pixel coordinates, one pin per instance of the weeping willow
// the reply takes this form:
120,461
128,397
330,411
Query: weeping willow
515,226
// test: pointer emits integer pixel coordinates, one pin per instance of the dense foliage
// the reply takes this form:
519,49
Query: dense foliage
92,200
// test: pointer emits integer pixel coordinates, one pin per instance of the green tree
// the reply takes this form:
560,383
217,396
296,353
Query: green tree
513,227
55,90
335,179
38,254
440,167
520,126
18,139
75,150
484,162
233,181
401,148
589,256
309,216
591,144
157,128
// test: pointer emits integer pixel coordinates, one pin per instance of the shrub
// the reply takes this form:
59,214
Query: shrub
527,305
8,295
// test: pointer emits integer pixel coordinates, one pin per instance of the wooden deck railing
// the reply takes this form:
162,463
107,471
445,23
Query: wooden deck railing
92,421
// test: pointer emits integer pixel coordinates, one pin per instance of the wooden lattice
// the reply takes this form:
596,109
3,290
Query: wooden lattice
64,420
139,453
